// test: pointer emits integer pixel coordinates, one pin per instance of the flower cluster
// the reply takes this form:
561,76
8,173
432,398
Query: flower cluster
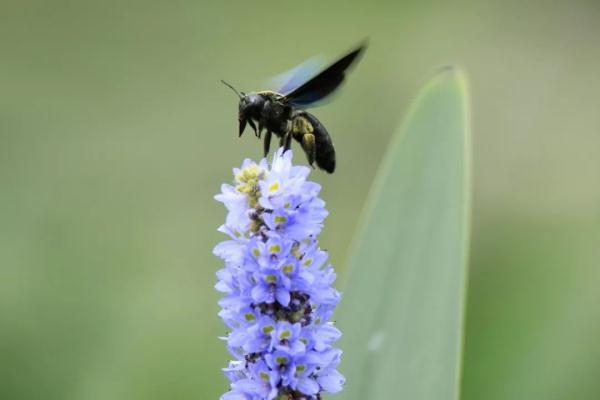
278,294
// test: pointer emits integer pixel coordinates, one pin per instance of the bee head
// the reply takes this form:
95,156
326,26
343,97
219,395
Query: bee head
250,108
251,104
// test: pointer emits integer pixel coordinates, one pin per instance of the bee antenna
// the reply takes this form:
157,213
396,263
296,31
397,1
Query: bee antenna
234,89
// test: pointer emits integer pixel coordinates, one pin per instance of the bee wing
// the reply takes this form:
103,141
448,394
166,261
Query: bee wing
324,83
288,81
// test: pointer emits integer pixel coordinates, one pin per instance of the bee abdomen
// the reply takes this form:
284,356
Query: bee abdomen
305,123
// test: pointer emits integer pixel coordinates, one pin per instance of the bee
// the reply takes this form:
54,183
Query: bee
283,113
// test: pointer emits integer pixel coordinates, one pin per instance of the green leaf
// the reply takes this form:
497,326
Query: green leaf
403,305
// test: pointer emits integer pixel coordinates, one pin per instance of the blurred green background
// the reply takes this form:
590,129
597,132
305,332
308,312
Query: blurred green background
115,133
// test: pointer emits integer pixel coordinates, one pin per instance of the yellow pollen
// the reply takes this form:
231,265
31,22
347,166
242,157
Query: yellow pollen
247,183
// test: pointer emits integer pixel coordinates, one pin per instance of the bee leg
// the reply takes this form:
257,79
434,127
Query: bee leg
267,142
261,126
242,126
253,126
282,140
285,141
288,142
308,145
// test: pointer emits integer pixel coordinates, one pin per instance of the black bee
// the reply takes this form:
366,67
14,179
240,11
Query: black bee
283,114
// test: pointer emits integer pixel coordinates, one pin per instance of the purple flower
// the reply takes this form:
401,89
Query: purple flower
276,284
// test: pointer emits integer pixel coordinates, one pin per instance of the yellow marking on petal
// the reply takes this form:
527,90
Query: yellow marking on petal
274,187
288,268
307,262
270,278
296,251
275,248
249,317
281,360
264,376
300,368
255,252
268,329
285,334
280,219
